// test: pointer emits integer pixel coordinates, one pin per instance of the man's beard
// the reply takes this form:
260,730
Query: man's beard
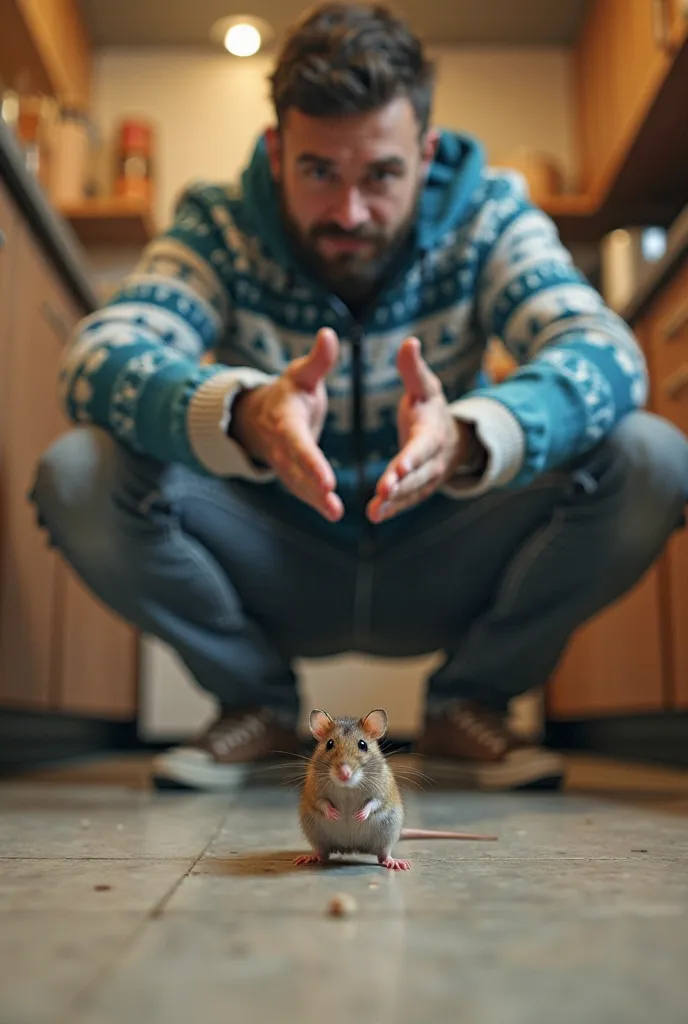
350,276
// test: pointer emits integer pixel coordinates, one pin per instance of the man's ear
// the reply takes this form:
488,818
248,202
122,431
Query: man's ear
273,142
431,141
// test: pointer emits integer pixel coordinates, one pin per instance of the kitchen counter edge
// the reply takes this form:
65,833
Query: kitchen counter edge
54,233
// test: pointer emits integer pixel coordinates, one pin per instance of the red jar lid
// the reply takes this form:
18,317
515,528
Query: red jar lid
136,134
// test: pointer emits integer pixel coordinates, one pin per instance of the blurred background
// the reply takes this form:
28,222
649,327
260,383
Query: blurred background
109,110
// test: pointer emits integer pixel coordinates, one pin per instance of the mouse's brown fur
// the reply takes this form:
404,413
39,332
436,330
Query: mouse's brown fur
351,802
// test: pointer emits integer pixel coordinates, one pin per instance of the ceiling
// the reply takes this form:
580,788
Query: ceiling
450,22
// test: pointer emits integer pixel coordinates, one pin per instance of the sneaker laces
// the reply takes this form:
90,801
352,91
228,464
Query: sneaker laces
230,732
484,727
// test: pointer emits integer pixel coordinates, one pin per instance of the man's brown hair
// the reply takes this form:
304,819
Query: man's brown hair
341,59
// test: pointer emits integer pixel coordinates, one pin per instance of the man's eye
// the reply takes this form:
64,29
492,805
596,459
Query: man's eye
319,173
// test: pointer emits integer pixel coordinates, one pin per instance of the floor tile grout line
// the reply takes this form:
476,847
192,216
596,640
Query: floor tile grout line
80,1000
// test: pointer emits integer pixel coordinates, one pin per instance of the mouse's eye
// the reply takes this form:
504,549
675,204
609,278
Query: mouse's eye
329,745
362,745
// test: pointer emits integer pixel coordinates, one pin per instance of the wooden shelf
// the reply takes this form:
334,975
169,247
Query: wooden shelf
647,181
47,44
110,223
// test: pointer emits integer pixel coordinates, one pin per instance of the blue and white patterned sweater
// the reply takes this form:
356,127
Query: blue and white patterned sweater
485,263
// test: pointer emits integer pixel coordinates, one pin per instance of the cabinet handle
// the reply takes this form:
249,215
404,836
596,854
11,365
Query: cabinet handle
3,239
676,382
677,323
56,321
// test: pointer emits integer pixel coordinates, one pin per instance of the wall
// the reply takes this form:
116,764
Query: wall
208,111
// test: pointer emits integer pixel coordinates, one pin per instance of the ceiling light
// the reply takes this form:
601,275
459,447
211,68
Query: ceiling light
242,35
243,40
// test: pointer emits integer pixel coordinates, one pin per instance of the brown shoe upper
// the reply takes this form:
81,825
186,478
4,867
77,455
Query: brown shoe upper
247,735
467,731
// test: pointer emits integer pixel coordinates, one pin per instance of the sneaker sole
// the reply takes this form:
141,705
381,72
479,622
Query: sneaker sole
174,770
546,771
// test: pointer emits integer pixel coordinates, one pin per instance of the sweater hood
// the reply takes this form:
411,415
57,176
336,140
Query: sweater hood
454,176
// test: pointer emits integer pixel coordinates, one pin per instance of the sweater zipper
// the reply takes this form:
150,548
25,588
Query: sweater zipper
356,336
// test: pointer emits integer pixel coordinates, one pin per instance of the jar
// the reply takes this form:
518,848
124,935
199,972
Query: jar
70,156
134,160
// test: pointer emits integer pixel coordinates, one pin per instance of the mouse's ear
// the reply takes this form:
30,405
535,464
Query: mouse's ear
321,724
375,724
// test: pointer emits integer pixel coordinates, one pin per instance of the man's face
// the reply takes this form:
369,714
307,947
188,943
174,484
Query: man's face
349,188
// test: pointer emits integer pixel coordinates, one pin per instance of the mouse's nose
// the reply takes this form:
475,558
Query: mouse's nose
344,772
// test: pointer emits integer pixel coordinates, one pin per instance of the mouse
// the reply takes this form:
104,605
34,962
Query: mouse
350,802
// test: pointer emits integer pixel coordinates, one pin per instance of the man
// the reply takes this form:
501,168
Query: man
341,476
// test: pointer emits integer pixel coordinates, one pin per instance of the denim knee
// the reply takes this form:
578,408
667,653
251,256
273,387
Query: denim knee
650,466
72,490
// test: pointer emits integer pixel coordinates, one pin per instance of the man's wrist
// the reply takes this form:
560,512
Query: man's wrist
472,458
235,432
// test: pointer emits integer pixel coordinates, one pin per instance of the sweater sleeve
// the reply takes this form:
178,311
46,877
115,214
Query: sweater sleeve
136,366
580,368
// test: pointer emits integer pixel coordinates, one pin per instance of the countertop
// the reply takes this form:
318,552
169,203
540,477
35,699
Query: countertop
54,233
658,273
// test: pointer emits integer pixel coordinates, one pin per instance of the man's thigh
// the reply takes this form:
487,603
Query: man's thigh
430,582
294,573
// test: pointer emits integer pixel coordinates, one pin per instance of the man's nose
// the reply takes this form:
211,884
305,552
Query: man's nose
350,211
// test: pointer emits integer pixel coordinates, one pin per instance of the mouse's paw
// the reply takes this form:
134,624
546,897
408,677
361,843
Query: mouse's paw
309,858
367,810
392,864
331,813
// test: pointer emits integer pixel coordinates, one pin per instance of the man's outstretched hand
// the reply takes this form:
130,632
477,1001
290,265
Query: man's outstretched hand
280,424
432,443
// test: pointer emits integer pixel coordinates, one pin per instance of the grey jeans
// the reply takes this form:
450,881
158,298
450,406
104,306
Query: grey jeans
241,578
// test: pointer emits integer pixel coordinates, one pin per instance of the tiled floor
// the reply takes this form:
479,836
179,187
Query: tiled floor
118,903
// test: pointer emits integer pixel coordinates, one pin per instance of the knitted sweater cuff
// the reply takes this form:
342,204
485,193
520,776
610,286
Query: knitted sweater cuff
502,437
208,418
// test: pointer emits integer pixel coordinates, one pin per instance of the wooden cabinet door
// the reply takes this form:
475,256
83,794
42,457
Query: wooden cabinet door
676,14
41,318
60,648
7,272
669,367
620,62
614,664
98,655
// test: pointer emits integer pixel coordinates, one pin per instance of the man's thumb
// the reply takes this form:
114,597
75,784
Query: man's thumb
307,373
419,380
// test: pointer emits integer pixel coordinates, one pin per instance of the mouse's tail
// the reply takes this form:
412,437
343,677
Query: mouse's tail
421,833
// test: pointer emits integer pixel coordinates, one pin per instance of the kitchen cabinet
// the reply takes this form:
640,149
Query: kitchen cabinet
668,354
7,229
620,63
39,312
60,650
98,655
676,25
47,41
614,663
632,658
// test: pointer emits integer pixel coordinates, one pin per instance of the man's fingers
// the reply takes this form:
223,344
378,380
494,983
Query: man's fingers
307,372
328,504
304,470
379,510
422,447
295,449
420,382
416,481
